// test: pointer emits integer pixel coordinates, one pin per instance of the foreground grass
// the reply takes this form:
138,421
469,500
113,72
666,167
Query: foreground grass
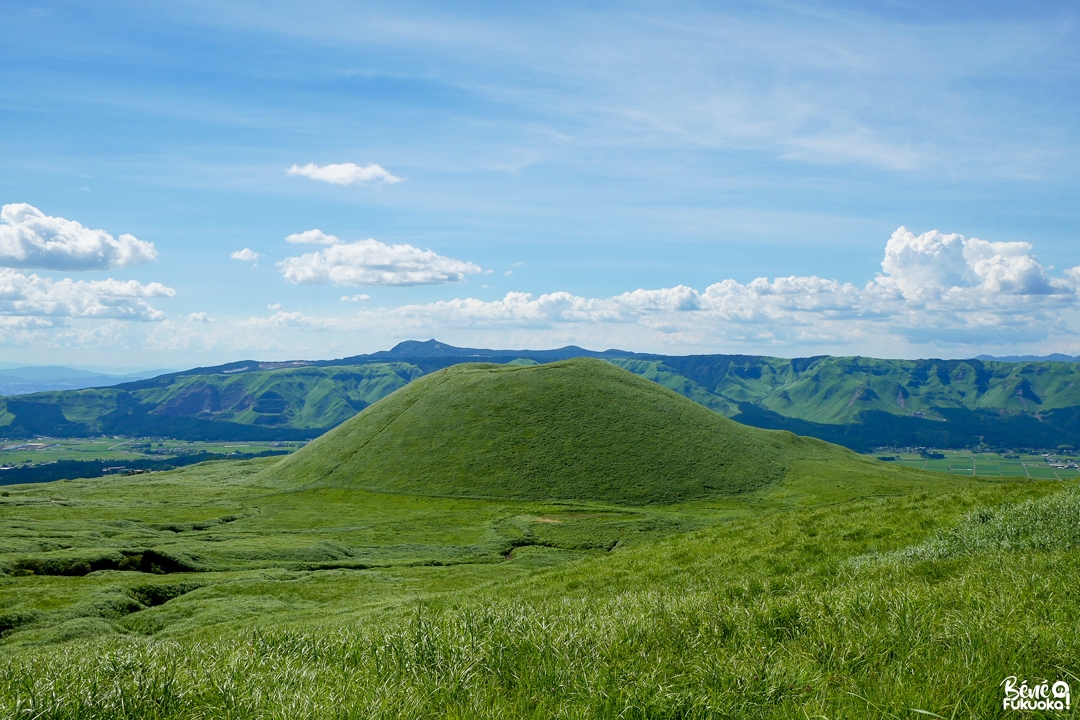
868,608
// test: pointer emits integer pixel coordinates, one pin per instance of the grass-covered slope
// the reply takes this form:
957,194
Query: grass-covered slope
577,429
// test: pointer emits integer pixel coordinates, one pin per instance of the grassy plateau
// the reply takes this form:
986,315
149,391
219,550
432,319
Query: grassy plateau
562,540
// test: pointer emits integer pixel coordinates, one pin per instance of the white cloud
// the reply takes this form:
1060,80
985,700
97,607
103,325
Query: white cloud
273,306
345,173
370,262
25,323
35,296
508,273
282,319
31,239
312,237
935,288
355,298
200,317
246,255
928,265
980,296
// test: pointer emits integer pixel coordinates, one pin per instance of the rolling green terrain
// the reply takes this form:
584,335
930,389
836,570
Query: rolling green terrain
771,577
846,608
861,403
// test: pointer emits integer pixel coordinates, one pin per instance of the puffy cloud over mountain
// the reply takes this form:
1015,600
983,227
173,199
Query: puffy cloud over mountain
370,262
935,287
33,296
934,291
928,265
31,239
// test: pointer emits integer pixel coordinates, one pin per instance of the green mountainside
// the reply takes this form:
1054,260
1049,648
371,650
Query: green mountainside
858,402
574,429
252,403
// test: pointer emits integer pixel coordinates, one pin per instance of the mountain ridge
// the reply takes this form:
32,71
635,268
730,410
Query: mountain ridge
855,401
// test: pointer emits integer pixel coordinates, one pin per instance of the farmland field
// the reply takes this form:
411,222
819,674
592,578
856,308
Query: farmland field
989,465
39,451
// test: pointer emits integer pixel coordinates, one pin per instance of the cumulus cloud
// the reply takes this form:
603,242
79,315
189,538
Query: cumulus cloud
35,296
31,239
355,298
370,262
312,237
345,173
200,317
927,266
934,292
246,255
933,288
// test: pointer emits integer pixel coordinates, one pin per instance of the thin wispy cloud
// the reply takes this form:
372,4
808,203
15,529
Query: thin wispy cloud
782,142
345,173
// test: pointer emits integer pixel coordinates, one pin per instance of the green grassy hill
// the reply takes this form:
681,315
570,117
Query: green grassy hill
575,429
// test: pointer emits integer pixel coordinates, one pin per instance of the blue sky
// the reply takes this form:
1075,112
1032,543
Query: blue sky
671,177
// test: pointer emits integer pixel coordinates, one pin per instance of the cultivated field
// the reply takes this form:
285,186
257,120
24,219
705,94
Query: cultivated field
39,451
1018,465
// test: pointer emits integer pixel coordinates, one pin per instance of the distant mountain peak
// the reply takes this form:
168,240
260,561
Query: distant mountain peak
435,349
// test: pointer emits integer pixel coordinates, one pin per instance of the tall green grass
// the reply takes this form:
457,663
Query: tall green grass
1048,523
769,617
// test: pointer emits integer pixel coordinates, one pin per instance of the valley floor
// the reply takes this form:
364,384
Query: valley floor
989,464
